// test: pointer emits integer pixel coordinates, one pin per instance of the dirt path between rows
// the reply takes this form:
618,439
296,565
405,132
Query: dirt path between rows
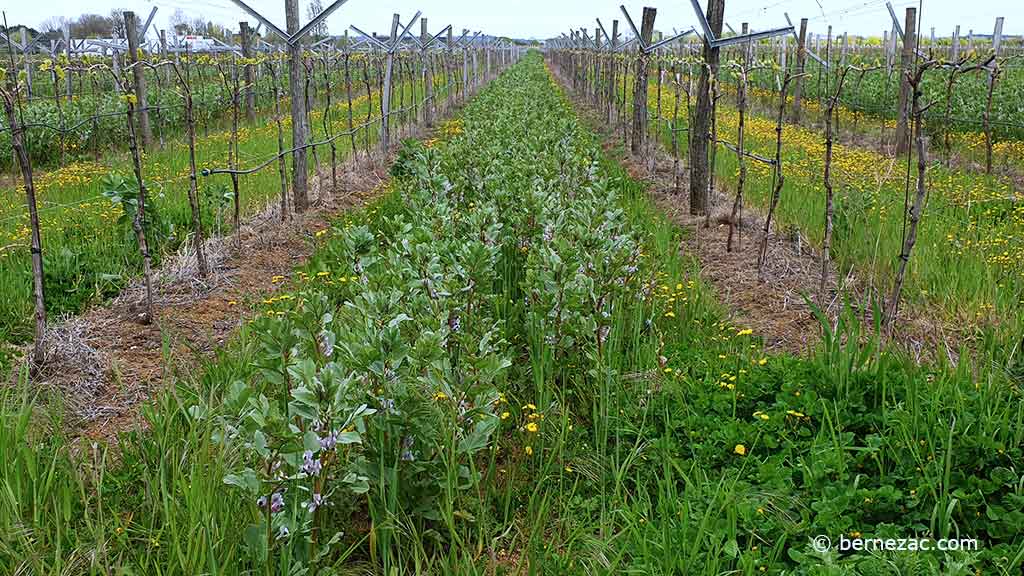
773,303
105,363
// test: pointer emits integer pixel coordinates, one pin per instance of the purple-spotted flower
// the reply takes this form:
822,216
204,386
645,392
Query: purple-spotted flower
276,502
311,466
407,454
329,441
315,502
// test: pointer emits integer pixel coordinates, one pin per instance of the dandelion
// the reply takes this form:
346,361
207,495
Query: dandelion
440,396
761,415
532,427
568,469
529,450
505,415
762,361
670,314
745,332
740,449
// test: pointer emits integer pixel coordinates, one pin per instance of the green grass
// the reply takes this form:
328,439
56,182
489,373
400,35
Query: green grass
575,403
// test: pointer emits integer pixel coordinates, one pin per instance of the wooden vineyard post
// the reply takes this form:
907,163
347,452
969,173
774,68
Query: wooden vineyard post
640,84
906,68
476,66
465,70
594,71
296,71
26,62
448,60
385,94
801,64
250,72
131,29
612,49
68,80
17,132
163,53
700,137
993,76
428,79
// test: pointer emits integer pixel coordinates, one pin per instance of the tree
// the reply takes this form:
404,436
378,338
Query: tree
54,24
92,26
312,11
198,25
179,22
117,22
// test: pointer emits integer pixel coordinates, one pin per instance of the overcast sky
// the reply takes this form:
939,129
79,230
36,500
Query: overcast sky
545,18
